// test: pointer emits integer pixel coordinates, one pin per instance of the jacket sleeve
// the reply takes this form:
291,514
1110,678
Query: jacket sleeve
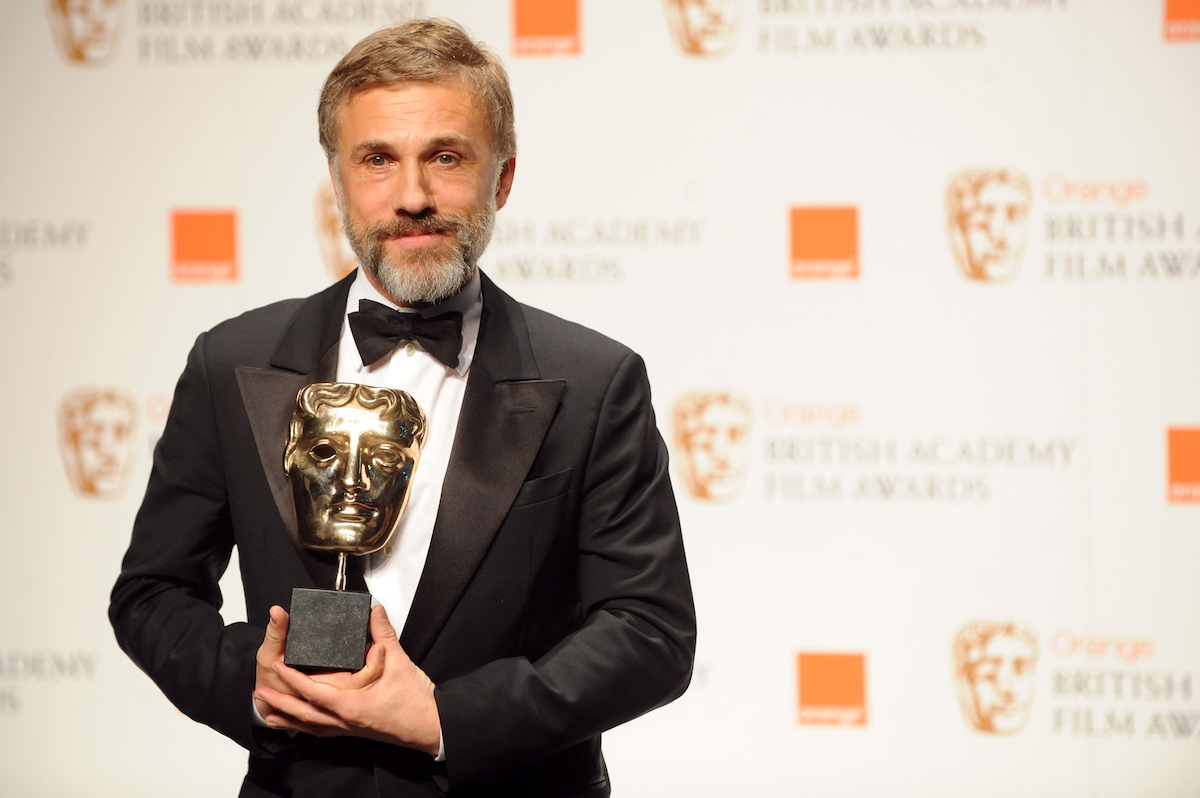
165,604
634,648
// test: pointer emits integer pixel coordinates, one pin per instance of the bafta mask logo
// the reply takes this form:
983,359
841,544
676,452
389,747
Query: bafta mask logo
702,27
350,458
993,671
336,254
86,30
96,427
712,433
988,222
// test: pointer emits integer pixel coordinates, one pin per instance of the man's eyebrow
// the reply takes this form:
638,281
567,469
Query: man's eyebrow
368,146
449,140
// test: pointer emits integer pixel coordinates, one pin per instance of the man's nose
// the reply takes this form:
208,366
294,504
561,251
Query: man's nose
413,192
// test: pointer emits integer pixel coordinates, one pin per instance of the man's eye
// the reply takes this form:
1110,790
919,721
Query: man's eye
446,158
322,452
377,160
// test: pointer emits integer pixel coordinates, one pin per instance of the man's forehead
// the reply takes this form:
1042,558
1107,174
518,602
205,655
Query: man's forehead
452,82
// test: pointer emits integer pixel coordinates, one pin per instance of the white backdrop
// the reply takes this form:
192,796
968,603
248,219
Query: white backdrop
905,451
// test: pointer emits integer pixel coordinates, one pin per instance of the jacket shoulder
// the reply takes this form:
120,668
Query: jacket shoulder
254,335
559,343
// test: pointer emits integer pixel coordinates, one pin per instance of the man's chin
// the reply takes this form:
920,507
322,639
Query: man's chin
422,283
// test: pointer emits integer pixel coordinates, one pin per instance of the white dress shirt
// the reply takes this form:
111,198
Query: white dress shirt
393,573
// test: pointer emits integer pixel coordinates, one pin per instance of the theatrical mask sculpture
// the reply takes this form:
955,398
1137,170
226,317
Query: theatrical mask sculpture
350,459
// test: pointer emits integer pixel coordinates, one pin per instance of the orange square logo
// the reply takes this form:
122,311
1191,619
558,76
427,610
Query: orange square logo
832,689
204,246
1182,21
824,243
1183,465
545,27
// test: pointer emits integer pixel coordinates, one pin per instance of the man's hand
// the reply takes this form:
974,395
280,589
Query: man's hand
270,652
390,699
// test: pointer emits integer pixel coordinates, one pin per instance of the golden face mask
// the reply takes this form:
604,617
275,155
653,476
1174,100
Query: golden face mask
350,459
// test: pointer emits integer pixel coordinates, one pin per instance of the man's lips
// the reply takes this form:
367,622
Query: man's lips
417,240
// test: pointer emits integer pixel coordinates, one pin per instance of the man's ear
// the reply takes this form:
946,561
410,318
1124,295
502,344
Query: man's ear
504,181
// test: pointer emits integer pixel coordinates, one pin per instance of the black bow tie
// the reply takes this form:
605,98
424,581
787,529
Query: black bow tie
377,329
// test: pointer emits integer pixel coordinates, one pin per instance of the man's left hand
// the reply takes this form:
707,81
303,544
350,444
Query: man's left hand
390,699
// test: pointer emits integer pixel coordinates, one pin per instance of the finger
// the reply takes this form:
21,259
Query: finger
290,712
324,696
280,721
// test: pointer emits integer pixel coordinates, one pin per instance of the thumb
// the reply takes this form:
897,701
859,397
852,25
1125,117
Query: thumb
278,627
382,630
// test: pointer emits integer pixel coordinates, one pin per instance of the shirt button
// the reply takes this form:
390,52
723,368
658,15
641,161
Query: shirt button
410,349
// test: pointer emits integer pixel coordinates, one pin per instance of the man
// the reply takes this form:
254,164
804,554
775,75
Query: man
537,594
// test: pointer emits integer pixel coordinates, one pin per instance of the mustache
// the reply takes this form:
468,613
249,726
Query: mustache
415,225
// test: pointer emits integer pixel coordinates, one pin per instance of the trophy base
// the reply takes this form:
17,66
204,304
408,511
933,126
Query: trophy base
328,630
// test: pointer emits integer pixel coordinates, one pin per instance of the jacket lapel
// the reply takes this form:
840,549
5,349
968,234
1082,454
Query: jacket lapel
307,353
505,415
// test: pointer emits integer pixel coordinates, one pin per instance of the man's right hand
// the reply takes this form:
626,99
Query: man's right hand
269,652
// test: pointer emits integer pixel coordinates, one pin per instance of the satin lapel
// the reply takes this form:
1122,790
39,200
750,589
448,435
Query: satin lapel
307,353
505,415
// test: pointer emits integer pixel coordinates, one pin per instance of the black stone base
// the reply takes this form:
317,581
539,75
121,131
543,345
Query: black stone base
328,630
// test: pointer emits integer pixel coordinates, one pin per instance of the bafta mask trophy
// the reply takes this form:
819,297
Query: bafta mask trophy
350,459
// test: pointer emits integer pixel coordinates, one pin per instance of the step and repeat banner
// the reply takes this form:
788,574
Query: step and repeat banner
918,285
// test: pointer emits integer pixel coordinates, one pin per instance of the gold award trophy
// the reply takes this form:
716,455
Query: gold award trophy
350,459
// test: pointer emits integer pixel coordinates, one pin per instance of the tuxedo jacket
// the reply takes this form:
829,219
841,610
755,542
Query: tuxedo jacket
555,601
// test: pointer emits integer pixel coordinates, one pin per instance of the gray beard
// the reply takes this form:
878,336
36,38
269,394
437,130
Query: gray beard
424,277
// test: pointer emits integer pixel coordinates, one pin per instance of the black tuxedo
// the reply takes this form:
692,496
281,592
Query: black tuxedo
555,600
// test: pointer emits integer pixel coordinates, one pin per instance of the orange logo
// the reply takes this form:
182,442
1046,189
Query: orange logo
95,434
1183,465
824,243
546,27
711,431
994,666
987,217
339,259
832,689
85,30
1182,20
204,247
702,27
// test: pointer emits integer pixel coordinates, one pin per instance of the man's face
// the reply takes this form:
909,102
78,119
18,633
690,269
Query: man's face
994,224
1002,684
702,27
714,449
350,471
86,29
418,186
